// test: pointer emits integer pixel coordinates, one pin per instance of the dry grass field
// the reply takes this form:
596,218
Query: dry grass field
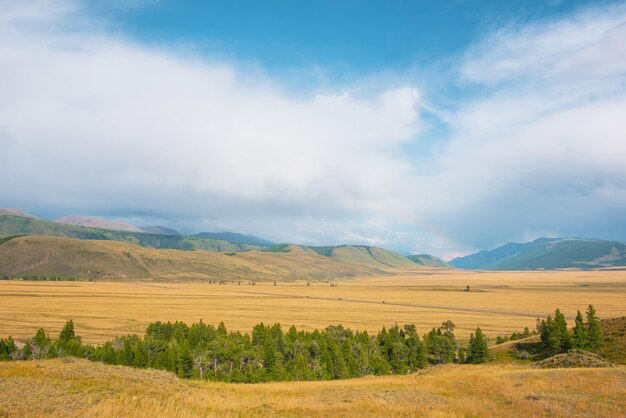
71,387
499,302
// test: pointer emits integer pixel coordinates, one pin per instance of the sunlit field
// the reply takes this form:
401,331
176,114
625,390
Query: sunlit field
498,302
72,387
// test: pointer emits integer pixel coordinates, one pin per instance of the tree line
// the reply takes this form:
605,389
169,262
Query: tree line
46,278
557,338
270,353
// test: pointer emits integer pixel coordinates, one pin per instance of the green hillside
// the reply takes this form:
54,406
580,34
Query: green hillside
548,253
17,225
113,260
428,260
365,255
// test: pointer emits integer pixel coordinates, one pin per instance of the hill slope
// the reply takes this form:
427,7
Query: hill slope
15,225
67,257
428,260
16,212
234,238
159,230
95,222
547,253
364,255
72,387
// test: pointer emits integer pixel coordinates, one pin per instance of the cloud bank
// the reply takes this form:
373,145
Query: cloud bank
92,122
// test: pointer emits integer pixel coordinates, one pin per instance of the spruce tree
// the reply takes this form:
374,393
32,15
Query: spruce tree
560,329
594,330
67,333
478,350
579,337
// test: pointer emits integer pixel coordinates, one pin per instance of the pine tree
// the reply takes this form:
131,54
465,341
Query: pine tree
594,330
560,329
478,352
67,333
185,361
579,337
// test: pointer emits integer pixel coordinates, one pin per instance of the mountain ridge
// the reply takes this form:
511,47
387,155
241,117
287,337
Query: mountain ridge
547,253
234,237
114,260
428,260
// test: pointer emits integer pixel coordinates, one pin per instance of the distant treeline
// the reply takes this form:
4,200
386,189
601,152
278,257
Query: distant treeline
46,278
269,353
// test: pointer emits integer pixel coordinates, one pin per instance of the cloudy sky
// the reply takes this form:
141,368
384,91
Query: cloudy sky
440,127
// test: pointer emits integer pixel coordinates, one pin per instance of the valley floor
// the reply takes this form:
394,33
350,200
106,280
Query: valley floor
499,302
72,387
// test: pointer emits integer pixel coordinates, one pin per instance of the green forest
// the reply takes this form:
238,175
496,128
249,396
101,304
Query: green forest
270,353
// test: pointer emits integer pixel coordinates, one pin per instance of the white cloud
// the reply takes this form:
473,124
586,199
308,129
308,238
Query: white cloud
96,122
541,148
92,122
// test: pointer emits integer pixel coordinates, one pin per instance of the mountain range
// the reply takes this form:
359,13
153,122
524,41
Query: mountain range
543,253
31,246
548,253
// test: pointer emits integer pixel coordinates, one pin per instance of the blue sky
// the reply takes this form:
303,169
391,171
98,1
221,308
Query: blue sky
440,127
343,36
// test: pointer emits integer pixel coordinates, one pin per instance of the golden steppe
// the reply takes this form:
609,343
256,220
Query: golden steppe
499,302
80,388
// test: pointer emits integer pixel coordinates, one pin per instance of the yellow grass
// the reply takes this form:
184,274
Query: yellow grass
103,310
65,387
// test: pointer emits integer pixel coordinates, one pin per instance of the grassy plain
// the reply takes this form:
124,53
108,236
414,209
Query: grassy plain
71,387
499,302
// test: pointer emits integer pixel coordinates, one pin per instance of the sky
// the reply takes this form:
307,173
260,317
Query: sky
424,127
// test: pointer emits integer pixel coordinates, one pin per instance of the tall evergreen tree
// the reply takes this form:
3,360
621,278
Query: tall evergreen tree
478,352
579,337
67,333
594,329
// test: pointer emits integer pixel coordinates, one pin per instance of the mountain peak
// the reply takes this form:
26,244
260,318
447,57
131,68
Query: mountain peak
16,212
96,222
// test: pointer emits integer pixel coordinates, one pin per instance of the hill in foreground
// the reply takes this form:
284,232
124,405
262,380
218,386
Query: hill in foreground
93,259
548,253
78,388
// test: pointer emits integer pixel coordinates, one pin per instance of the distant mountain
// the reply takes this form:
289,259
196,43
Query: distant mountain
95,222
16,212
428,260
364,255
234,237
159,230
547,253
17,225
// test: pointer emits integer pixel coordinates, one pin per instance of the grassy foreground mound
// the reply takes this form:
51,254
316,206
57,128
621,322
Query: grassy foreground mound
72,387
573,358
